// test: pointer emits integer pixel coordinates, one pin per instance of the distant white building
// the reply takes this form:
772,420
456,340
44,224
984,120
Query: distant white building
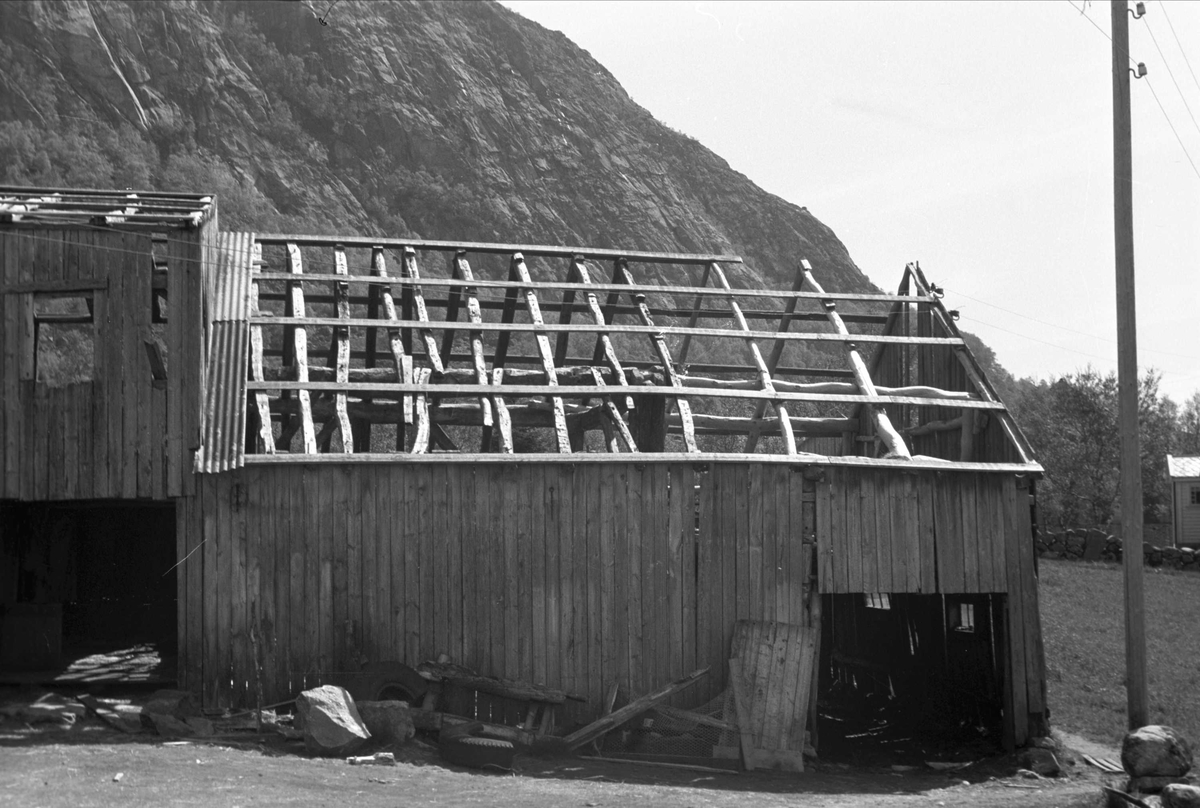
1185,488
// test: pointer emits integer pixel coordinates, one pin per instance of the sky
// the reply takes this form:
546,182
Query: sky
975,138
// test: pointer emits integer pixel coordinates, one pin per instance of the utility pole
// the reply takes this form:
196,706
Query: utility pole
1137,695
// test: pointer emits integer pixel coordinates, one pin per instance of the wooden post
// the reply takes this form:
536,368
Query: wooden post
1136,692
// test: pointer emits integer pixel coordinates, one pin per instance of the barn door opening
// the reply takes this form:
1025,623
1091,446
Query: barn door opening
908,678
87,592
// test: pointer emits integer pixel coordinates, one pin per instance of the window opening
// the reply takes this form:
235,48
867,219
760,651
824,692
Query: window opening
877,600
965,618
64,338
1195,495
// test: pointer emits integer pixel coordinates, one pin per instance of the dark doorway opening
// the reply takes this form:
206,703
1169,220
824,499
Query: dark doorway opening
87,592
907,679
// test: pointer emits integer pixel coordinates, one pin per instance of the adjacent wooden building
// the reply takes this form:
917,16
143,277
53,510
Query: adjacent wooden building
561,465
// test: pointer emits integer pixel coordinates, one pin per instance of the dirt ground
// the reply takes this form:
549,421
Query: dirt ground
90,764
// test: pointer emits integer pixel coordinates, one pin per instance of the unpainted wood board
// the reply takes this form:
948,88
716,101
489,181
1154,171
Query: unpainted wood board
462,562
1035,665
657,643
804,517
10,401
869,530
759,677
854,538
681,576
537,573
770,543
1015,615
306,521
782,542
324,522
39,440
825,566
995,488
131,352
54,442
625,562
970,532
780,689
708,605
208,516
242,647
734,489
948,533
754,542
275,505
983,531
551,575
638,554
740,537
260,525
909,516
497,576
900,536
182,597
439,571
407,590
115,366
605,631
219,491
375,558
570,539
510,519
140,265
343,627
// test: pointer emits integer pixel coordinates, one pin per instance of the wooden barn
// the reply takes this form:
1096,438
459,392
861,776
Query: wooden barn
571,467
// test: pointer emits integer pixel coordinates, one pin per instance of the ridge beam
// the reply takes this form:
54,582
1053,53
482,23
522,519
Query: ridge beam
520,272
764,373
621,274
883,425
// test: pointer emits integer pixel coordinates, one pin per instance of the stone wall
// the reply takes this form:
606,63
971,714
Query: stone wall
1092,544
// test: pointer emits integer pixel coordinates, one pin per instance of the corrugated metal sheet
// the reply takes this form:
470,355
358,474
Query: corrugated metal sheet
1183,466
223,439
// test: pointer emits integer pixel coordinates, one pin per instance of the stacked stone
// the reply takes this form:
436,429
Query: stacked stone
1158,759
1077,544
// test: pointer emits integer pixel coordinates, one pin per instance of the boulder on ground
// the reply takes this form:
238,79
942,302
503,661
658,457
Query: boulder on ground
332,725
388,721
1181,796
1152,785
1042,761
175,703
1156,751
168,726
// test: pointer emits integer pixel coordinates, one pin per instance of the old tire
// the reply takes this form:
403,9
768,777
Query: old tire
479,753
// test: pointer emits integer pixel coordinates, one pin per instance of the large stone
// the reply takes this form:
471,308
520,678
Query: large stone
1041,761
331,723
1181,796
1153,785
176,703
1156,751
388,721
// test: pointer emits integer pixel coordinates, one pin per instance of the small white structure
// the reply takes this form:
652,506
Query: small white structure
1185,487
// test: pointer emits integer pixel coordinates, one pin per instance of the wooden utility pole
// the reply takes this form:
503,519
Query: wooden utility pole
1137,695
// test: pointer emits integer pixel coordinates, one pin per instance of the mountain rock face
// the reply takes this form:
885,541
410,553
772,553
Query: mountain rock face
432,120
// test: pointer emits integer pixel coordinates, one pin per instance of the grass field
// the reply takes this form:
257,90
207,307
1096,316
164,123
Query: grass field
1084,629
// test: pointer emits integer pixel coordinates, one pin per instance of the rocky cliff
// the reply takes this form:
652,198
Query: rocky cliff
437,120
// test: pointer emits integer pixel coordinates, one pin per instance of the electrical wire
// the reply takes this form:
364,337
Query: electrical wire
1186,153
1171,73
1042,341
1186,60
1083,13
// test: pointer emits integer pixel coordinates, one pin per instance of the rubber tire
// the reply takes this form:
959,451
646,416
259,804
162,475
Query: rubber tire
479,753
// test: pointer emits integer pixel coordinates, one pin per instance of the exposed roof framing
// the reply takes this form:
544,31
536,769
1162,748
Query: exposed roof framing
134,209
474,362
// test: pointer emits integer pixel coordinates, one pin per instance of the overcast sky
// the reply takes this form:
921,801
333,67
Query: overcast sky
974,137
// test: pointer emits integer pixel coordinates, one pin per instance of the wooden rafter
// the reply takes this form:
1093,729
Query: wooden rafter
785,322
521,272
604,344
265,440
621,272
764,373
461,269
883,425
412,271
308,435
402,360
503,422
341,339
421,439
686,343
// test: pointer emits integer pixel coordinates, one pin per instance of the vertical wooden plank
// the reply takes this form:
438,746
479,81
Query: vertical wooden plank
409,518
461,487
39,441
591,576
374,563
227,547
306,521
785,542
970,532
537,571
657,642
525,599
211,575
550,601
55,423
1035,665
391,558
343,624
911,525
567,536
927,539
182,638
949,533
869,531
754,541
439,572
608,669
732,490
995,486
624,563
10,344
101,371
292,523
114,339
498,524
632,579
982,527
511,485
276,485
707,598
854,538
1015,614
680,574
130,351
802,515
899,535
140,266
356,515
259,485
825,582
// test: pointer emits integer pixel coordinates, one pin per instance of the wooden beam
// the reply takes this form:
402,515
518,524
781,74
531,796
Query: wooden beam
621,271
412,272
604,345
401,359
764,373
341,339
461,269
883,425
502,420
602,726
421,439
265,441
508,328
520,271
785,322
300,350
617,288
686,343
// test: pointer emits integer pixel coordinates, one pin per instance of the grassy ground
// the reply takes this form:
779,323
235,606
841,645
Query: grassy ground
1083,624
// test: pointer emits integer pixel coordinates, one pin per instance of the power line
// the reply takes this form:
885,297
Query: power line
1186,61
1186,153
1171,73
1068,328
1083,13
1043,342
